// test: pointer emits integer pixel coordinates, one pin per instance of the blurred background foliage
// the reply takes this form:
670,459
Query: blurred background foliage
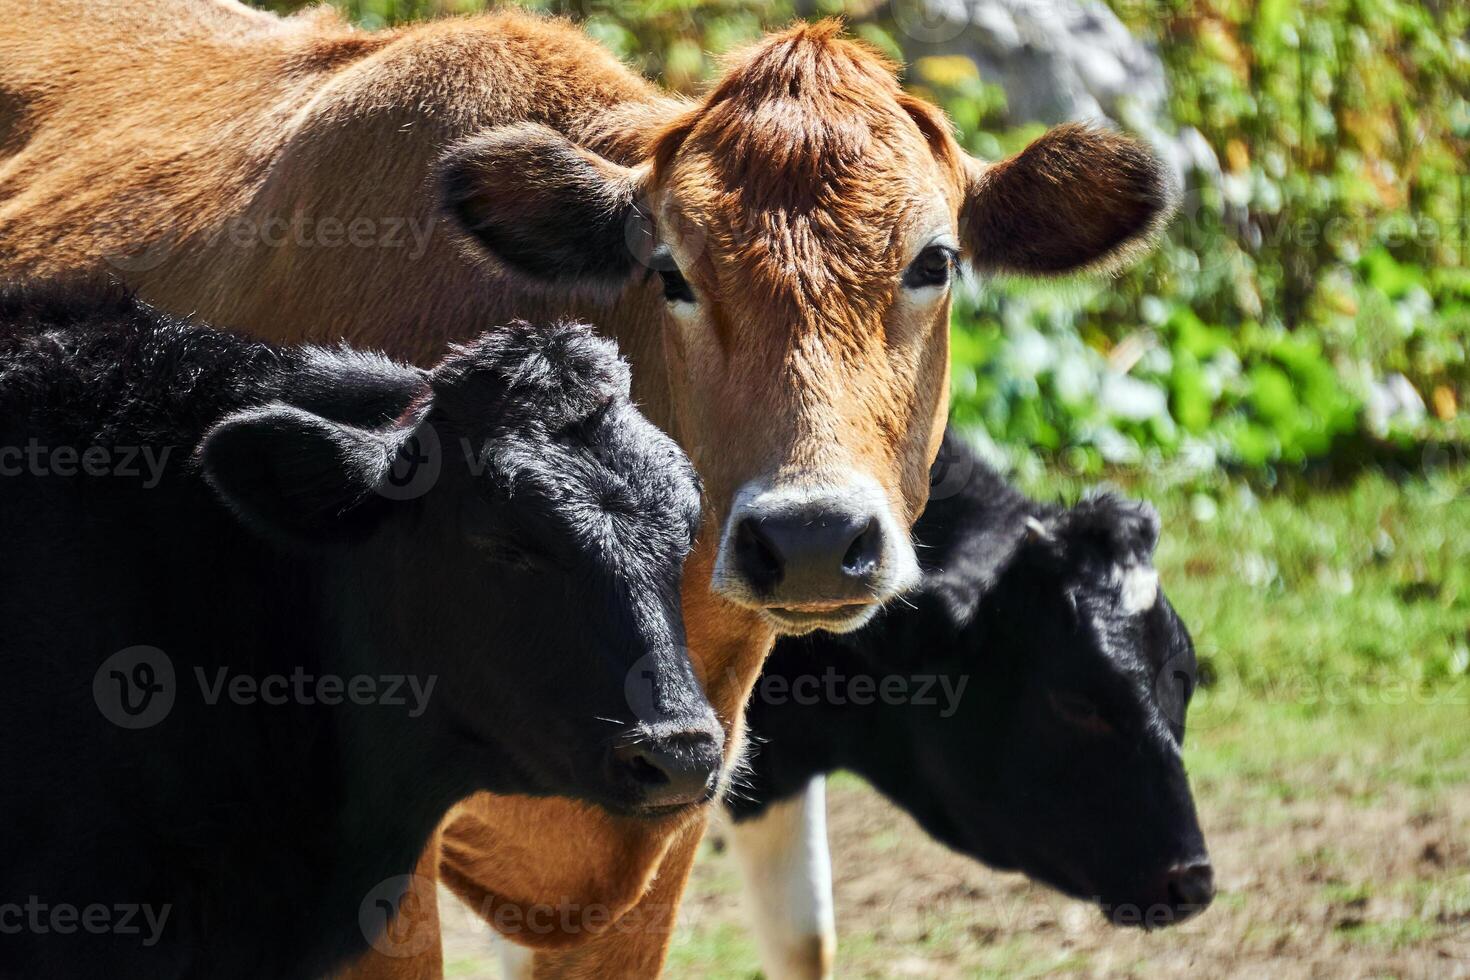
1310,307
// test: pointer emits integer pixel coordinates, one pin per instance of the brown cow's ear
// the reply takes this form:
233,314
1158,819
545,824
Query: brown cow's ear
1076,200
544,206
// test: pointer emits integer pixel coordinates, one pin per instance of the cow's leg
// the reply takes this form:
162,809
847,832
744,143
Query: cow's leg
787,871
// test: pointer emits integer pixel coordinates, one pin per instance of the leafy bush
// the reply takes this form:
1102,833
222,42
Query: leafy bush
1312,298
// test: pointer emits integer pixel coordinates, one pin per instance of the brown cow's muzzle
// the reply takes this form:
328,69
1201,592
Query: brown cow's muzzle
814,557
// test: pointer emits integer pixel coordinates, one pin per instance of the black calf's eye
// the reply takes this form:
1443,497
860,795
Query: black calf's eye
933,267
676,287
511,553
1079,712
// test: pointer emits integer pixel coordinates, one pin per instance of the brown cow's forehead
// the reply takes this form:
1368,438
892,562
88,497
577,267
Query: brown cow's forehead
801,181
836,254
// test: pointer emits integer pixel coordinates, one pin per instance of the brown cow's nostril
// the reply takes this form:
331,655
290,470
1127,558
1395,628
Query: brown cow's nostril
805,556
863,554
757,557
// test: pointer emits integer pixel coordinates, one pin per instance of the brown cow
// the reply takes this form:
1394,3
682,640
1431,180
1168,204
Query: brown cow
774,258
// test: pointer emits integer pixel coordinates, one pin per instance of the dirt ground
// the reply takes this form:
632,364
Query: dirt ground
1318,888
1333,861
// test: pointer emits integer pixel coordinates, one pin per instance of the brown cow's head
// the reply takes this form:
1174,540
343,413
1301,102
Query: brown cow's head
804,222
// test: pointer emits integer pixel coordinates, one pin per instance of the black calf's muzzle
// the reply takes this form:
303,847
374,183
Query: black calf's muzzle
1167,898
668,766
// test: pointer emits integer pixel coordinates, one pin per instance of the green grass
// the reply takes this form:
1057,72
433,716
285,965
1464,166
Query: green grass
711,952
1391,748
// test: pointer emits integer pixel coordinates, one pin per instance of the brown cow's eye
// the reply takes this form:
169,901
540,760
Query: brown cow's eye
1079,712
933,267
676,287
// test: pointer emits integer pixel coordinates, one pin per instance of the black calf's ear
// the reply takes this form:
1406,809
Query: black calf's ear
1126,530
1076,200
543,206
293,474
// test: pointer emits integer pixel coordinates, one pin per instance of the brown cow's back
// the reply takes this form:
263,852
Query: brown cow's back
239,149
142,122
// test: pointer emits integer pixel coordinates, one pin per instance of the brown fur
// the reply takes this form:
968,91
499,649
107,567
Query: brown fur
1114,198
160,141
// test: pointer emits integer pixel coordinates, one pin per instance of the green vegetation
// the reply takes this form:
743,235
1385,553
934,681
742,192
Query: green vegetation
1331,252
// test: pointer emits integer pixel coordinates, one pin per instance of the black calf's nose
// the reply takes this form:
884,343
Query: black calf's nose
1190,887
822,554
1166,899
668,772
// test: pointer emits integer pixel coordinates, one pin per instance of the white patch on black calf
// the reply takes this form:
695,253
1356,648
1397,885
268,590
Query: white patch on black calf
1138,588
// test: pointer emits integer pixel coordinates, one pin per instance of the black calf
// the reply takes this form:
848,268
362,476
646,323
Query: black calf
267,613
1027,709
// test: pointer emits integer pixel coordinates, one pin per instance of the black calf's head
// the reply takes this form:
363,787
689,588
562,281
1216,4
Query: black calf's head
518,533
1062,758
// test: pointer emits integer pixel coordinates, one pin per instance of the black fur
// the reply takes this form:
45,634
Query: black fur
528,586
1060,756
